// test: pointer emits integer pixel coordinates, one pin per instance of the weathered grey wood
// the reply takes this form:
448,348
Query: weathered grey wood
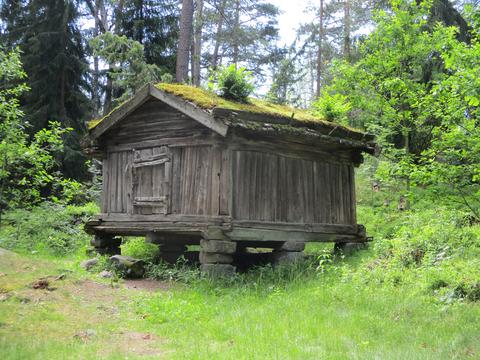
210,219
105,189
190,110
225,182
303,227
248,234
167,172
120,113
199,138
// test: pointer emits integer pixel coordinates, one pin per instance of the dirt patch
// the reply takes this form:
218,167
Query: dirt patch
147,285
92,291
137,344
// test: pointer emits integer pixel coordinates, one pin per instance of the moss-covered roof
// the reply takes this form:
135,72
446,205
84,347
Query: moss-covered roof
211,102
208,100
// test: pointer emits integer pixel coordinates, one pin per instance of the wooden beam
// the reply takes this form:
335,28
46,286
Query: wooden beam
190,110
121,112
249,234
302,227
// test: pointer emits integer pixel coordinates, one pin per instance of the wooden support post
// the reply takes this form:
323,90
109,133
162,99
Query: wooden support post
106,244
170,253
348,248
172,247
216,254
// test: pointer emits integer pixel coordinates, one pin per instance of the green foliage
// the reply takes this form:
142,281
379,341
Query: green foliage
334,108
234,84
49,229
137,247
28,169
415,86
127,65
154,24
52,53
180,271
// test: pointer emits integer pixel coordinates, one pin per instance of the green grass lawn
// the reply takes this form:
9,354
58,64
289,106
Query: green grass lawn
415,294
291,313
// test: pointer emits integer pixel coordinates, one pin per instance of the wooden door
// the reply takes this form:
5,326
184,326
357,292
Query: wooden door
151,174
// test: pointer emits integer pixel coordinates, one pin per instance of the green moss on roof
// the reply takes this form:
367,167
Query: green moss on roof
94,122
208,100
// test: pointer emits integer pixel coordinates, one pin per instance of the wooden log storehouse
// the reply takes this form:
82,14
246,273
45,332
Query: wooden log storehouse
183,166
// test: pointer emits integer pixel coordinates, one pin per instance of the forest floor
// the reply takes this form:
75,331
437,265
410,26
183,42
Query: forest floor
53,309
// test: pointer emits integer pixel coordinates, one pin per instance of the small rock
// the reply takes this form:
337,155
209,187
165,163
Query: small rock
89,264
41,284
130,267
105,274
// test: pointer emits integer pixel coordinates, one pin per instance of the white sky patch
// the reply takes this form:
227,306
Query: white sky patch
293,14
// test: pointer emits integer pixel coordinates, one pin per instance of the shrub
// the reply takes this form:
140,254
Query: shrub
49,229
234,84
334,108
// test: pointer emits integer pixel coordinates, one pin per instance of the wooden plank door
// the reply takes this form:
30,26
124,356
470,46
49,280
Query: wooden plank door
151,174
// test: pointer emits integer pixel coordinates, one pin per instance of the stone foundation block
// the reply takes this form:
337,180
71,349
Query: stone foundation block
215,258
213,234
217,270
349,248
292,246
287,257
103,251
218,246
104,241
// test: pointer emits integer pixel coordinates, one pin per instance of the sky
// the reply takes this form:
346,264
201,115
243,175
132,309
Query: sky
293,14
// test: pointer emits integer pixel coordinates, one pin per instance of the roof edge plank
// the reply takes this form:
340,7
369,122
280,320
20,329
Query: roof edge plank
190,110
121,112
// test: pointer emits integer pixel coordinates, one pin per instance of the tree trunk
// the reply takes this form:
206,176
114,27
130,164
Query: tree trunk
235,39
347,20
184,40
197,47
319,51
218,34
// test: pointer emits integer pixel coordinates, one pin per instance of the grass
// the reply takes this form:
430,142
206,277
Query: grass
302,314
414,294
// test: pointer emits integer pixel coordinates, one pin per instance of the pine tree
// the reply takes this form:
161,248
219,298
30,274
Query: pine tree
154,24
54,60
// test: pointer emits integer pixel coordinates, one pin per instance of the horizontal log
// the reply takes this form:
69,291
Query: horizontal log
199,138
125,228
250,234
285,226
121,217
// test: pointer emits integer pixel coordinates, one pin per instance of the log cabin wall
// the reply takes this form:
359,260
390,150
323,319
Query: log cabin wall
160,162
275,187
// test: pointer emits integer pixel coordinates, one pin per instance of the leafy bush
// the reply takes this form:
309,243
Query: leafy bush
28,168
234,84
334,108
137,247
49,229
